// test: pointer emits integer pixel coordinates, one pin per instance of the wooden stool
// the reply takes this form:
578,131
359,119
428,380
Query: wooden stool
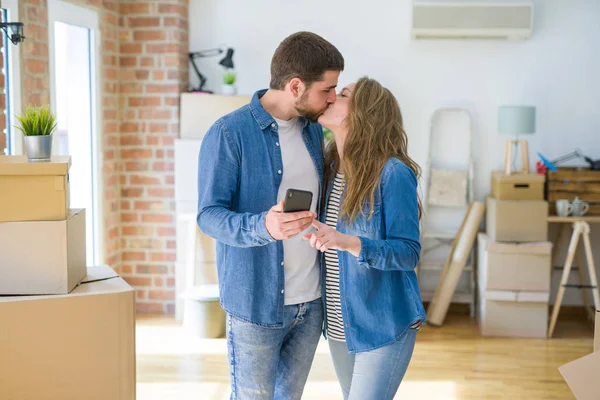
580,228
508,155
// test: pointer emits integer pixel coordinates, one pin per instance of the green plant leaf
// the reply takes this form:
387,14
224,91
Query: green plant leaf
36,121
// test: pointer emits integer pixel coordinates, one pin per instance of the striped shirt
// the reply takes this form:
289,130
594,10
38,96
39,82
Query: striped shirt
335,322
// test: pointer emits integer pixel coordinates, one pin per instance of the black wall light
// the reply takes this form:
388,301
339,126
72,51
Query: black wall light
16,31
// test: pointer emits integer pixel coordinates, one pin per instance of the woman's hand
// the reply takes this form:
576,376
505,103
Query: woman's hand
328,238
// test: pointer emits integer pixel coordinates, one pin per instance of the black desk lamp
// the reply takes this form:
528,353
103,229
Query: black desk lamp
227,62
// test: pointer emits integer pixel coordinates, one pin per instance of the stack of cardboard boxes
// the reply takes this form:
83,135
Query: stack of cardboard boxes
514,259
66,331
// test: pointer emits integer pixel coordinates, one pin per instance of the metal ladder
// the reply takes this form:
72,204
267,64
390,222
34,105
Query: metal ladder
448,193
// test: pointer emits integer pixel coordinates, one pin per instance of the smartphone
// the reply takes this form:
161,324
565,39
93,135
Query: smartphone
297,200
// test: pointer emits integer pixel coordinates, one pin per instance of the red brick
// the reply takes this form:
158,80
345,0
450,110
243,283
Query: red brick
134,256
129,127
171,9
147,61
141,74
127,61
144,180
125,205
144,22
147,36
171,101
158,75
137,166
154,113
146,308
157,281
137,230
126,269
162,48
170,282
170,179
161,192
153,101
166,88
171,244
131,88
149,205
133,8
173,75
158,127
130,48
136,154
132,140
166,231
35,67
129,217
141,294
163,166
159,269
171,21
132,192
162,294
163,257
158,218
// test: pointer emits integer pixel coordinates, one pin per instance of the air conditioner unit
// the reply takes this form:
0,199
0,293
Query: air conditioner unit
472,20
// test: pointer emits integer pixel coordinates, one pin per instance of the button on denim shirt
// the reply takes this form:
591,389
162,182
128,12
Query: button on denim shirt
379,293
239,173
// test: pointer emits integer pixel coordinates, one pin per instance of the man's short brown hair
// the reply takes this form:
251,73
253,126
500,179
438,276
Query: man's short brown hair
304,55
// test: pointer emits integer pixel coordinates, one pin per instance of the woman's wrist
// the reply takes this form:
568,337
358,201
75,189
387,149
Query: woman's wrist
353,245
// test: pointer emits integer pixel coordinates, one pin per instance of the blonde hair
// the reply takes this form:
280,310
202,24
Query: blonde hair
375,134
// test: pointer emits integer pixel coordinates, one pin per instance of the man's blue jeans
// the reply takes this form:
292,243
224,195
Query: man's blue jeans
273,363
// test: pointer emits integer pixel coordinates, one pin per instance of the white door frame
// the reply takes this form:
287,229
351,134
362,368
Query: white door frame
14,78
87,18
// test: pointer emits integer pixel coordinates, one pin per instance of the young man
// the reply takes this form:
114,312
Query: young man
269,278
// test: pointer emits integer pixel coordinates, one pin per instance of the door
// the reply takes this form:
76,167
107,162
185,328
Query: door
74,39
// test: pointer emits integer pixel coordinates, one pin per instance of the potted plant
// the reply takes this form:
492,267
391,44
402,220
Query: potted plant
37,125
228,82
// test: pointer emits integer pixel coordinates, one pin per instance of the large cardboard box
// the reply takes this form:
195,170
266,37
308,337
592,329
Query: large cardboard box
70,347
517,186
583,374
513,313
517,221
34,191
42,257
514,266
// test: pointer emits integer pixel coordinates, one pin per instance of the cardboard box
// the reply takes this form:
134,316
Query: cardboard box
517,186
42,257
70,347
514,266
34,191
517,221
513,314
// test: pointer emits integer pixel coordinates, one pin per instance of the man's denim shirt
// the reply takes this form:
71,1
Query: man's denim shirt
239,173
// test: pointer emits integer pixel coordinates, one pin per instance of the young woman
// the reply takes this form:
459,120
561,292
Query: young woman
370,241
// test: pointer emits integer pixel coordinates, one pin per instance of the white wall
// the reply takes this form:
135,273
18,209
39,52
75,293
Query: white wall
557,70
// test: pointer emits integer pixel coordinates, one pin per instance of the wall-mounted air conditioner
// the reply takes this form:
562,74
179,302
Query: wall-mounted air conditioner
472,20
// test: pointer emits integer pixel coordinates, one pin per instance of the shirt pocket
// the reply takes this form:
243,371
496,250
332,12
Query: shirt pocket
368,225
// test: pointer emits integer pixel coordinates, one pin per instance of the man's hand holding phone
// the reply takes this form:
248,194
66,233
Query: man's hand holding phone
284,225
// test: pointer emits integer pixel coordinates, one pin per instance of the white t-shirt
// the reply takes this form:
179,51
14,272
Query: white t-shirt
300,262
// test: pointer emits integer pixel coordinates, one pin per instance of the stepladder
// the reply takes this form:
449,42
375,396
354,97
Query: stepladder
581,230
447,195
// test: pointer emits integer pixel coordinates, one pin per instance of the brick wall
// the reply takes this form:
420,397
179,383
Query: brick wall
152,73
144,67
